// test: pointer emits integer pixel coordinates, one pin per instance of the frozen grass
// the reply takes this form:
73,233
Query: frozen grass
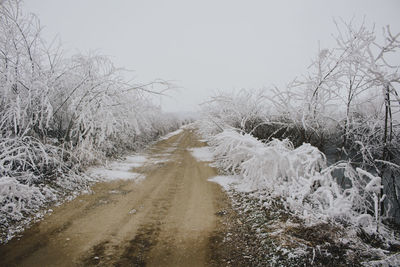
298,185
274,236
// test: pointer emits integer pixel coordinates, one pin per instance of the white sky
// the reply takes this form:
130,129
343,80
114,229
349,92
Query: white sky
206,45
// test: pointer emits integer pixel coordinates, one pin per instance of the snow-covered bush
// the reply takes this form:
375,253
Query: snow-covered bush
242,110
60,114
347,105
300,177
18,199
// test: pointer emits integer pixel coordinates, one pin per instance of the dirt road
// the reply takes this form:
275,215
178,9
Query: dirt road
167,219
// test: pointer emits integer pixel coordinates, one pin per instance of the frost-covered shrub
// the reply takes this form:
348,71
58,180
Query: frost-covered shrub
60,114
25,165
300,177
262,115
18,199
243,110
347,105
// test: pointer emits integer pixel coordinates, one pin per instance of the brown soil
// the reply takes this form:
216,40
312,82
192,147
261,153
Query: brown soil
171,218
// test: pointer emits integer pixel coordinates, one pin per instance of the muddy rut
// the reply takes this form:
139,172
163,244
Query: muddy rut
167,219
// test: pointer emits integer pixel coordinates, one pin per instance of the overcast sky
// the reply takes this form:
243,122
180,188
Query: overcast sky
206,45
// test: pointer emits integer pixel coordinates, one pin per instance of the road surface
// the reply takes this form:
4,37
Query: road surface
168,219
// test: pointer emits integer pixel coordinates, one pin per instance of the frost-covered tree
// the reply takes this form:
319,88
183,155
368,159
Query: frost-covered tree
59,114
346,104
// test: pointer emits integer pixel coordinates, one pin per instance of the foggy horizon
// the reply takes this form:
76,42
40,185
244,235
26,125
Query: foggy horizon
208,46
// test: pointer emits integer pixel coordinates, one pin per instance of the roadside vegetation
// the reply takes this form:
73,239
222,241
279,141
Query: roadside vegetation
59,115
325,148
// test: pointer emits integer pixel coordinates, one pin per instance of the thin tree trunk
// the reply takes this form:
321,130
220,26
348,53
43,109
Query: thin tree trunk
387,135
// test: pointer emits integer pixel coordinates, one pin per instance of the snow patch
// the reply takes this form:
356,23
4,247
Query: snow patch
167,136
111,175
169,150
226,181
135,160
120,166
119,169
159,161
202,153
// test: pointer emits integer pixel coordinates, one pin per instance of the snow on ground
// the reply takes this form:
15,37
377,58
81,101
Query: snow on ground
122,166
136,160
235,182
162,160
169,150
226,181
202,153
167,136
110,175
119,169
